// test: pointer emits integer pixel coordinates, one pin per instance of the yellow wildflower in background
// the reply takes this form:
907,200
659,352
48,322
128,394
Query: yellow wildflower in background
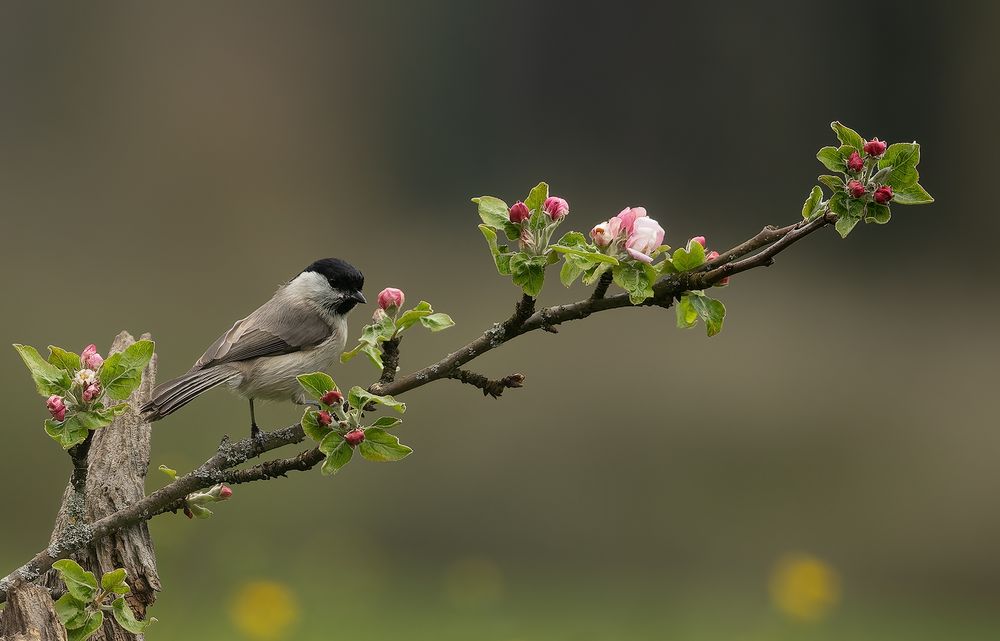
804,587
264,610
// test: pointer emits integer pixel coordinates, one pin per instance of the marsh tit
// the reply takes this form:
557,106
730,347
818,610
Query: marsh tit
302,329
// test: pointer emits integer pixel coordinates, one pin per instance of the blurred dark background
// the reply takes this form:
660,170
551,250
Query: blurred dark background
823,469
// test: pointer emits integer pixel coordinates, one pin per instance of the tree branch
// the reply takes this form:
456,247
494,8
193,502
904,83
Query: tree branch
525,319
490,387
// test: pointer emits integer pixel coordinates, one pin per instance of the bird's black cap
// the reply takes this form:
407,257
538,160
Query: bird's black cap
340,274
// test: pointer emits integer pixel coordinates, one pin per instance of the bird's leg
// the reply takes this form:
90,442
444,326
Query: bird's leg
255,433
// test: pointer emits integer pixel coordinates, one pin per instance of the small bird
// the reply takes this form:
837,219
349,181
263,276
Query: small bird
302,329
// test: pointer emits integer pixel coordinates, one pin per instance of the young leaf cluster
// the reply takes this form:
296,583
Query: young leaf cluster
60,375
82,609
339,427
386,327
895,169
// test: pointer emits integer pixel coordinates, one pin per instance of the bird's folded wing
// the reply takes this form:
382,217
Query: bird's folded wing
275,328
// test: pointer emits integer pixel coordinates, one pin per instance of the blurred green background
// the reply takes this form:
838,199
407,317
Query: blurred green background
823,469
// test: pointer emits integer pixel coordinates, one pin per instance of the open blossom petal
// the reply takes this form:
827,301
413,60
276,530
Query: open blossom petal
628,217
603,234
646,237
85,377
639,255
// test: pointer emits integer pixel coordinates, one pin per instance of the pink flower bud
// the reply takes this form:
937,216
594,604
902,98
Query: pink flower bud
225,492
56,407
645,238
855,163
712,255
875,147
90,359
883,194
629,215
519,213
699,239
354,437
333,397
91,392
555,207
323,417
605,233
390,299
855,189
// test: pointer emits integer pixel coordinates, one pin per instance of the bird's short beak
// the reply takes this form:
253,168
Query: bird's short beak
359,297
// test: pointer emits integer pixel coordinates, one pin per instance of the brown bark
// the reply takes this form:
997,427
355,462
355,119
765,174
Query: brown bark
30,616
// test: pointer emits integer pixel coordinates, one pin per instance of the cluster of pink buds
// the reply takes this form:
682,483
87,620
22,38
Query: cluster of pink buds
873,148
57,407
535,241
632,230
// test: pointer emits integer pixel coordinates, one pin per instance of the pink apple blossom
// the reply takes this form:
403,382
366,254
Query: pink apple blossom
645,238
628,217
56,407
390,299
90,359
605,233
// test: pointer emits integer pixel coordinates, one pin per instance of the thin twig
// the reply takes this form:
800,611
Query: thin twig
489,386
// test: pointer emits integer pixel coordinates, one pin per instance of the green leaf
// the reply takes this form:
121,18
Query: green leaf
312,427
359,397
93,623
501,257
592,256
876,213
569,272
200,511
813,203
80,583
689,258
536,197
594,273
409,317
97,418
316,384
126,618
903,158
121,373
838,203
634,279
711,311
385,422
114,581
831,159
172,473
66,361
848,136
380,445
686,314
845,223
835,183
338,453
912,195
49,379
67,433
437,322
528,273
493,211
72,612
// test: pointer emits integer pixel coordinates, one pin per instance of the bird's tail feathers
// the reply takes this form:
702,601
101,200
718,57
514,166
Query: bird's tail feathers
173,395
